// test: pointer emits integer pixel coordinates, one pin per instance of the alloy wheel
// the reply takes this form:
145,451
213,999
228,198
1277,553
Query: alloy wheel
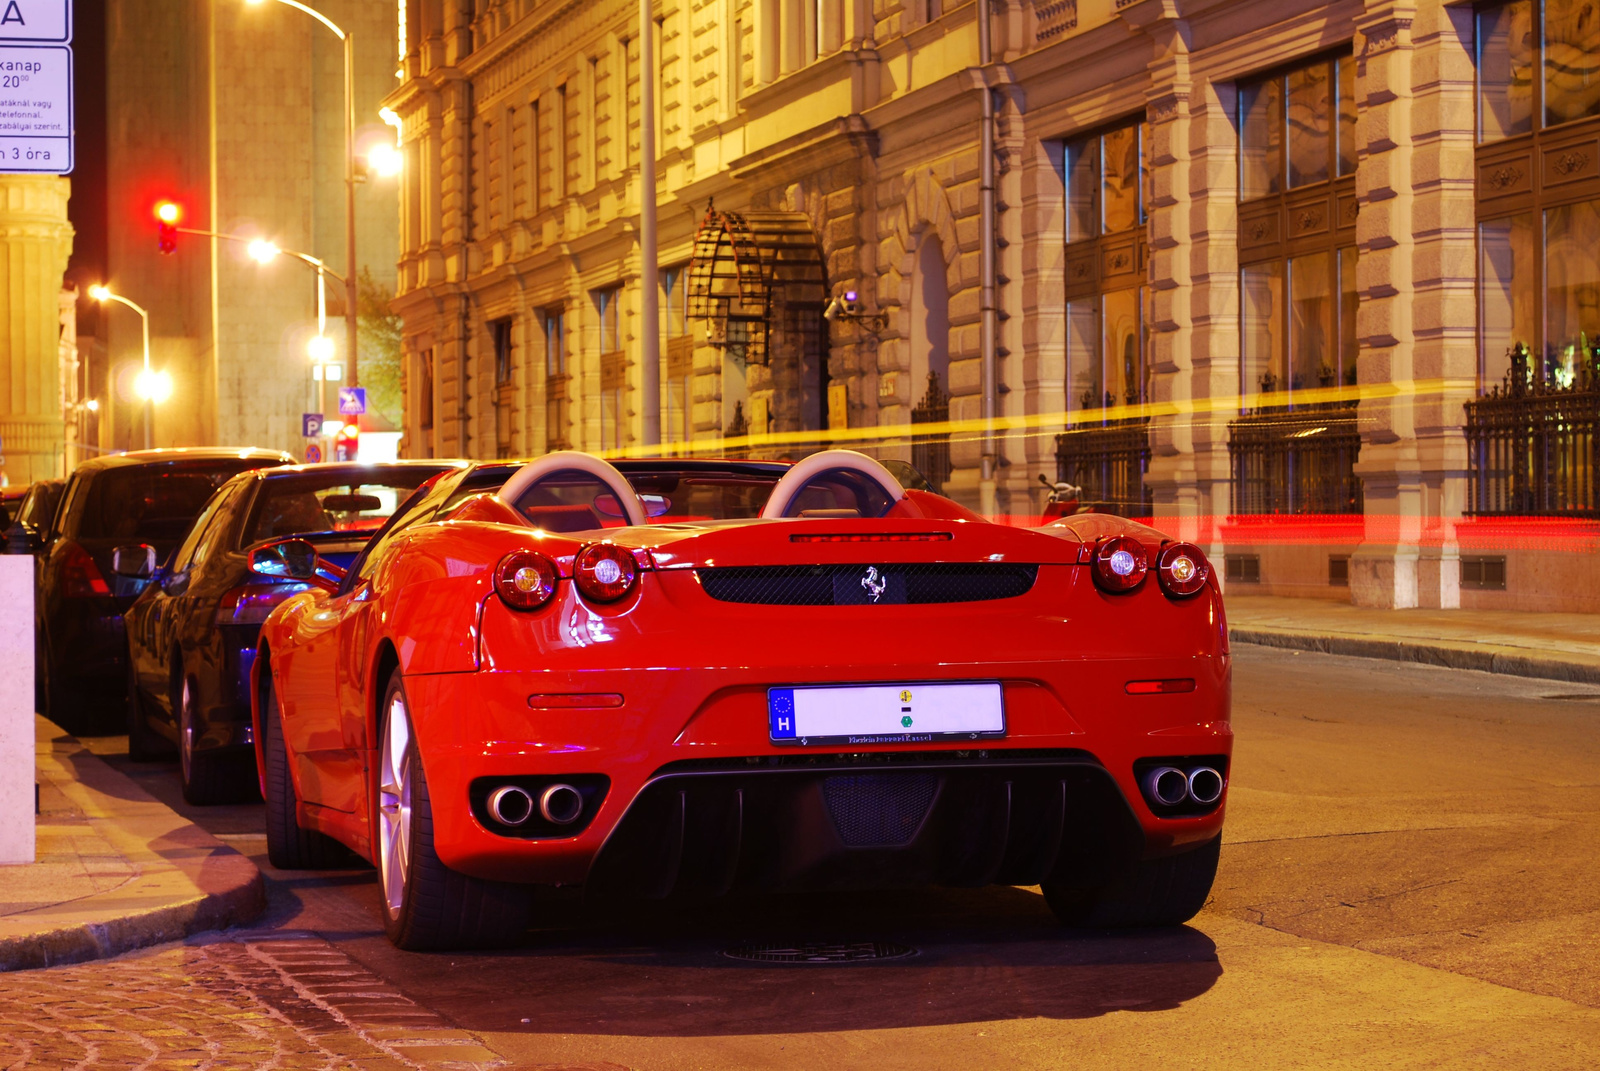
394,805
186,732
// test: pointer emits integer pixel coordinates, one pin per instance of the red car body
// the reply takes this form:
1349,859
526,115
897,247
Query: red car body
656,706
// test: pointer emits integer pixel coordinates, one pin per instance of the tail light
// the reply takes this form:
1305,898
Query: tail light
80,576
526,580
1120,564
1182,569
604,572
250,604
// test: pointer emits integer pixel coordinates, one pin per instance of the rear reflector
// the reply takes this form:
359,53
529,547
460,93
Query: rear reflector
872,537
574,700
1176,684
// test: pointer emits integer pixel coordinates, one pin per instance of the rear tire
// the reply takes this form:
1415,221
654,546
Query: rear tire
288,846
1159,892
428,906
209,778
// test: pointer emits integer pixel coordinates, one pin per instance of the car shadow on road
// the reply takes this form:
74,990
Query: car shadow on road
981,955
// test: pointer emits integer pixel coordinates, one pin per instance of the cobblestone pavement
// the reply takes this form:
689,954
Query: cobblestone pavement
280,1000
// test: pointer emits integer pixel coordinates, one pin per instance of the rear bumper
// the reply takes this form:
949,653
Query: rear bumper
699,800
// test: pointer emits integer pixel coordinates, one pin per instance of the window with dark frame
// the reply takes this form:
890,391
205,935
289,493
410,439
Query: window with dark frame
557,419
500,333
425,390
1297,216
613,367
677,419
1107,300
1538,189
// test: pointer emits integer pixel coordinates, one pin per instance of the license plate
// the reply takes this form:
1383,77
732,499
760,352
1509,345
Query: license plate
886,713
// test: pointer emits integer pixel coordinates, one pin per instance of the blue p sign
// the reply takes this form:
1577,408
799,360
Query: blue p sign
310,425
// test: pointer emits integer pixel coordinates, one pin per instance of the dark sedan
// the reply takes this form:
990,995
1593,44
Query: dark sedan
31,517
192,634
144,500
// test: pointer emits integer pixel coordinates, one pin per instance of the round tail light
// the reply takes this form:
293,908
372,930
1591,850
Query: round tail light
526,580
604,572
1182,569
1120,564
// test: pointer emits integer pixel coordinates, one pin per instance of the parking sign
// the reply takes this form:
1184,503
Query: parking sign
310,425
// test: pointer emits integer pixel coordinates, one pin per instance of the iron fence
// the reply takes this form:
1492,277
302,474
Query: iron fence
930,454
1109,462
1296,461
1533,445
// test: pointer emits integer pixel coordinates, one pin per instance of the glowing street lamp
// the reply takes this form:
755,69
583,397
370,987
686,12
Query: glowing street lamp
150,385
262,251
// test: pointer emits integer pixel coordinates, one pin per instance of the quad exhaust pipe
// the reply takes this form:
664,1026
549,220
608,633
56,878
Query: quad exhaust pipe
558,804
1168,786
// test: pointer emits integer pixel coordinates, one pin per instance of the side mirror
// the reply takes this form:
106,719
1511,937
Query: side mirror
293,559
135,563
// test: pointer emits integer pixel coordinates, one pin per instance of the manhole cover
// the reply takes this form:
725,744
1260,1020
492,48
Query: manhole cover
820,952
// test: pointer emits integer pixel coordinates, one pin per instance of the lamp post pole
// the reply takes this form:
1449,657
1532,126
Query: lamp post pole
100,293
350,289
650,321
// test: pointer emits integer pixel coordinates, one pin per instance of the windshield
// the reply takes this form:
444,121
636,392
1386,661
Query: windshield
154,504
702,496
329,503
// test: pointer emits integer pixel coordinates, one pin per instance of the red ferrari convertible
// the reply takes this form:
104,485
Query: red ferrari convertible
679,678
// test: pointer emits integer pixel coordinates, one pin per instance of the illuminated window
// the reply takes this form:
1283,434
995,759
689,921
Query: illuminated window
1297,215
1107,302
1538,188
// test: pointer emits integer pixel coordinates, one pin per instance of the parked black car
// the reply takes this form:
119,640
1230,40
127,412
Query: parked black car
143,501
192,634
31,517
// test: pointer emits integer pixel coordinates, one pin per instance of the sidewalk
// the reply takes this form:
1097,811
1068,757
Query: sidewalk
1562,647
116,869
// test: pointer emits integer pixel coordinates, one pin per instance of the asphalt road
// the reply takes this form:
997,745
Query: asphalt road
1409,879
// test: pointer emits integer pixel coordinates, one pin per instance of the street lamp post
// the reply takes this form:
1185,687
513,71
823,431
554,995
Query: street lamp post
148,385
350,294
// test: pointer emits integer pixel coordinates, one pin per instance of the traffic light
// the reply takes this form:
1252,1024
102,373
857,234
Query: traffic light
168,214
347,442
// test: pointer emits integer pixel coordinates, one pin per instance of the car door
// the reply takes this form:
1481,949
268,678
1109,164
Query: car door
327,686
154,621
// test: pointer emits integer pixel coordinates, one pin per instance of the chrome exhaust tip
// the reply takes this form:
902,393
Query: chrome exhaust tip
561,805
510,805
1166,785
1205,785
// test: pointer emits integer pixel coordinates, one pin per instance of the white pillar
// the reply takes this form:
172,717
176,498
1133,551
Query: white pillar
16,709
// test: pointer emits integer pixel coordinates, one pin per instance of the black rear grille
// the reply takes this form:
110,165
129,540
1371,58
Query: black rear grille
879,810
855,585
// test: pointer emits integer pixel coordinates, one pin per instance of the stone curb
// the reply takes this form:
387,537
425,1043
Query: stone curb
1451,656
186,881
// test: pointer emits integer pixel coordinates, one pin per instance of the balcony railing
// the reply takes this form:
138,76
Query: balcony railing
1533,443
1296,461
1109,462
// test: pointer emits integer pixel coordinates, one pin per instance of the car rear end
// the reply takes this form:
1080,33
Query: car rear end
152,499
826,703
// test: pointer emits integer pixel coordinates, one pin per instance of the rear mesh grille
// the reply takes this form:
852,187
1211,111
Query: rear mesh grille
854,585
879,810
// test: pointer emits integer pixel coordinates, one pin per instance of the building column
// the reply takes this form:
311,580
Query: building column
1415,272
35,241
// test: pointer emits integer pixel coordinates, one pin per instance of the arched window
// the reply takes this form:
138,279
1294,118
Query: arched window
930,317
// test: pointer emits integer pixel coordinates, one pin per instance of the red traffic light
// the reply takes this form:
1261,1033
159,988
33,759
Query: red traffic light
169,214
347,442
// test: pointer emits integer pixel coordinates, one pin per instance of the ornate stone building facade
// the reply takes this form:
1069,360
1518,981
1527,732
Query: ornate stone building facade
1253,258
